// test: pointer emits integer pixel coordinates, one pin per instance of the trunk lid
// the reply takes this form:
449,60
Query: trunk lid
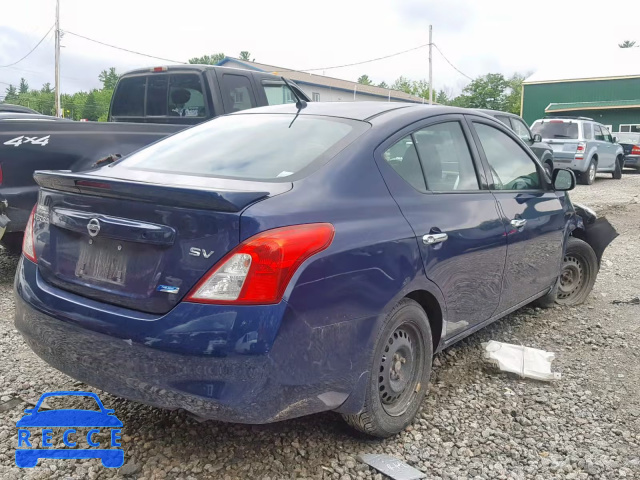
137,244
563,149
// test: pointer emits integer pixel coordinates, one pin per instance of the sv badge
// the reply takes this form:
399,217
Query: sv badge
200,252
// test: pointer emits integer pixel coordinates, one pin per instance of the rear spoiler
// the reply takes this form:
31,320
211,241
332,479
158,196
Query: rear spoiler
176,196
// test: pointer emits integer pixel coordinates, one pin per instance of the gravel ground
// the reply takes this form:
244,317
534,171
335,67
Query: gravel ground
475,423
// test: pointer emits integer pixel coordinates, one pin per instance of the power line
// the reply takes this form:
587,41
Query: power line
31,51
451,64
123,49
366,61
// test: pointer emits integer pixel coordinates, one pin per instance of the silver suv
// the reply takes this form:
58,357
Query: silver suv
582,145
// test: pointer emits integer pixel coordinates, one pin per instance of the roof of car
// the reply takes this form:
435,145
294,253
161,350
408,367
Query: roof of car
355,110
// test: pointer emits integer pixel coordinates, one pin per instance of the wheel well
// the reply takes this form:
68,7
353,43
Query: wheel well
430,305
594,157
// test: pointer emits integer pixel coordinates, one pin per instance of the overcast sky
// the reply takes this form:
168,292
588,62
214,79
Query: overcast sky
478,37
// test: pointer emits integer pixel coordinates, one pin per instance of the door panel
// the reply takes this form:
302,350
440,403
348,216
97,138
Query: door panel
533,216
534,251
467,263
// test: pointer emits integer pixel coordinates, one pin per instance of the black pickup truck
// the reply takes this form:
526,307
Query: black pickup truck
147,105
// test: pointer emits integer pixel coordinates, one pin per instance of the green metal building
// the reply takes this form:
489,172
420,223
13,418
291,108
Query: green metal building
613,101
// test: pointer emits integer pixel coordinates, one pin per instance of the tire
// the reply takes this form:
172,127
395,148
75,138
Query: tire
400,375
579,271
617,170
12,242
587,177
549,169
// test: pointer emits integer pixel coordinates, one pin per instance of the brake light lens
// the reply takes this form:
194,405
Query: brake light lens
28,243
258,270
580,150
635,150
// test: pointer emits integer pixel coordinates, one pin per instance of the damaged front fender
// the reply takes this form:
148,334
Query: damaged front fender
597,232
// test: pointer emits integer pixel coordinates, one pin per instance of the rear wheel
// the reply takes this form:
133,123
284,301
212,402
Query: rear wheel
579,271
617,171
549,169
400,372
588,177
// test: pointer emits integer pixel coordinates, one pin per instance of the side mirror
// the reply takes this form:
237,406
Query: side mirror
564,180
537,137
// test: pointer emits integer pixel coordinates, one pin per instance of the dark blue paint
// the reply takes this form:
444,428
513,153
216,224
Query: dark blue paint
313,349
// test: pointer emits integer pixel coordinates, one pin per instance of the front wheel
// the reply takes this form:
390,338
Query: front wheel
617,170
399,374
549,169
579,271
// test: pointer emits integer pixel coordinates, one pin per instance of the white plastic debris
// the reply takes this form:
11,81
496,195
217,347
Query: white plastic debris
525,361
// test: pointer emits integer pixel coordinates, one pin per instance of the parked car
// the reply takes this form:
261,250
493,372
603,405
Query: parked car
304,229
630,142
543,150
152,102
584,146
8,107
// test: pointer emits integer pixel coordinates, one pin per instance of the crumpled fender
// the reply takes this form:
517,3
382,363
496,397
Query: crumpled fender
597,232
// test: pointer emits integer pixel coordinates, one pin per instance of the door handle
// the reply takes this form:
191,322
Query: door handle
518,222
433,238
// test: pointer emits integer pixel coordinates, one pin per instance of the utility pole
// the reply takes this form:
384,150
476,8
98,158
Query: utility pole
430,64
57,80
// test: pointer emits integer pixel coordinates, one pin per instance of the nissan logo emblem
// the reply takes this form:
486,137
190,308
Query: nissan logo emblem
93,227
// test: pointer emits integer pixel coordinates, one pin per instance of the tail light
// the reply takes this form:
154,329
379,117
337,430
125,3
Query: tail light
28,243
580,150
258,270
635,150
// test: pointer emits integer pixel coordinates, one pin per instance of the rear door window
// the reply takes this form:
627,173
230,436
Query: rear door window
556,129
445,157
237,93
277,93
587,131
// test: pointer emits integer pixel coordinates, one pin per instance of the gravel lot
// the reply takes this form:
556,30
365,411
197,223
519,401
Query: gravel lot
475,423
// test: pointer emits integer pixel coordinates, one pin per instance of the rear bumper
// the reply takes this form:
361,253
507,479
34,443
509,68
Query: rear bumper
569,161
632,161
196,357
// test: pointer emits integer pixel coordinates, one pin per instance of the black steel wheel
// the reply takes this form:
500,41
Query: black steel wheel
579,271
400,372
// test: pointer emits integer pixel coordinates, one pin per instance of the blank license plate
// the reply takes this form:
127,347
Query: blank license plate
104,263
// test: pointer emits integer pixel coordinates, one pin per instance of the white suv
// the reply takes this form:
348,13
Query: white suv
582,145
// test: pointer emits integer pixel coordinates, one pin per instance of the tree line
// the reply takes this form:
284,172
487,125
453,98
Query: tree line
493,91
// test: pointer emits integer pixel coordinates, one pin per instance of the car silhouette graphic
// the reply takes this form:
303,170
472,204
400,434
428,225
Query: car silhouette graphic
73,418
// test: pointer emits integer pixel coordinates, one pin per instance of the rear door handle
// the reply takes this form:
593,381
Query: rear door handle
433,238
518,222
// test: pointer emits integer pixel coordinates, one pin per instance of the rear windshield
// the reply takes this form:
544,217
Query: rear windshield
556,129
249,146
628,137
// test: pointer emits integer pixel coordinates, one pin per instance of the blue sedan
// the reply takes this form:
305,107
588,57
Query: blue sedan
294,259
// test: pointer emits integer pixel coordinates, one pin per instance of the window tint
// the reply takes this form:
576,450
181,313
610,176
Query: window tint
404,159
521,129
445,157
277,93
129,97
247,146
237,93
185,96
511,167
598,133
555,129
587,129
